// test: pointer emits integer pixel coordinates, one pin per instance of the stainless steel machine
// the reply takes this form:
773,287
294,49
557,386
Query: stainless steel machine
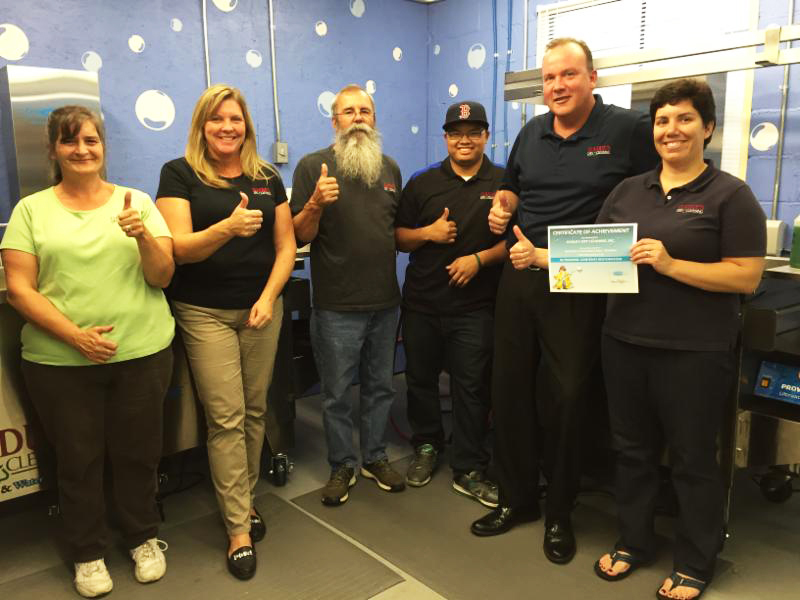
27,96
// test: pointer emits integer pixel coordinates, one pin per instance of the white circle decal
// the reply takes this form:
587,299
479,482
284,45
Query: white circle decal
226,5
324,102
453,90
436,49
370,86
176,24
136,43
155,110
476,56
357,8
91,61
253,58
515,105
415,129
764,136
13,42
321,27
397,54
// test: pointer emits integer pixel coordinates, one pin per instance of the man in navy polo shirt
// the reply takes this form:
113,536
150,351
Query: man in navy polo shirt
448,301
562,166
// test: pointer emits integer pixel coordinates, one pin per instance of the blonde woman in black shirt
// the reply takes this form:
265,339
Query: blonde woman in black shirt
235,248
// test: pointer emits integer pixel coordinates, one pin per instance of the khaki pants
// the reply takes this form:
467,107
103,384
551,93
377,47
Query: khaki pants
231,365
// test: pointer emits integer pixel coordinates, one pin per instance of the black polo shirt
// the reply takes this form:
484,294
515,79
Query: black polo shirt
428,192
713,217
564,181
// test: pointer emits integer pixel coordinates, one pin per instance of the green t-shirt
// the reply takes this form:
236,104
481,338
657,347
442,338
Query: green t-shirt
91,272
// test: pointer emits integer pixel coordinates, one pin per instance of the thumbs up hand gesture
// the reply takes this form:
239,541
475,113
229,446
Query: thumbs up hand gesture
523,253
243,221
327,190
442,231
503,206
130,221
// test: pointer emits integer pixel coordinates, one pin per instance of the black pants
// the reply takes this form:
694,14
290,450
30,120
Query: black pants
462,343
550,335
87,411
678,397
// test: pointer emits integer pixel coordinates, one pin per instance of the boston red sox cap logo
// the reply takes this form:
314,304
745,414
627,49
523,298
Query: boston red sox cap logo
465,111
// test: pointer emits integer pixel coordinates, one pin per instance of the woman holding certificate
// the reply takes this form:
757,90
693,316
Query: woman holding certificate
668,350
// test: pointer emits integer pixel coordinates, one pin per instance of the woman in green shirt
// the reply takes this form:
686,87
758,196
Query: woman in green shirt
86,261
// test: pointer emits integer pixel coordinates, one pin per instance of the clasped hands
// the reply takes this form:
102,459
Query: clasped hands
443,231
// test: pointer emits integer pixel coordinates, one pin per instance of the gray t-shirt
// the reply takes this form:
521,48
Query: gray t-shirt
353,257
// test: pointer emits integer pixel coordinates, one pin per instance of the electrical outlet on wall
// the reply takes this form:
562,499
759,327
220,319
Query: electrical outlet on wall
280,153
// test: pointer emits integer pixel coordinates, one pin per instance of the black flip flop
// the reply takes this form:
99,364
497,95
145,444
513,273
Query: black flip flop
618,556
679,580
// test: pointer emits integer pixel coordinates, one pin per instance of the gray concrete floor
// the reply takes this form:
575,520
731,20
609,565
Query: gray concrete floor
761,559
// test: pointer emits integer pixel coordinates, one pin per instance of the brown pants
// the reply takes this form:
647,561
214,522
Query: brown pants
232,368
86,411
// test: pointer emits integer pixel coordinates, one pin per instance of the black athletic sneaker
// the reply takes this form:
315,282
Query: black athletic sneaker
384,475
336,491
475,485
421,468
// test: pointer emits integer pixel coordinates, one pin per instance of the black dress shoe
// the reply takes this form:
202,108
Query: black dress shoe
258,529
503,518
559,541
242,563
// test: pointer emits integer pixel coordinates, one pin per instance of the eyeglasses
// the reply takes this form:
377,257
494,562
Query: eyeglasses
350,113
474,136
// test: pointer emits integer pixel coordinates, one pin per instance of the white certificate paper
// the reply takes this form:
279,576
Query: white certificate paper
592,259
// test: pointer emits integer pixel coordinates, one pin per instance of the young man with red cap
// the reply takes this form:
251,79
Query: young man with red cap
448,301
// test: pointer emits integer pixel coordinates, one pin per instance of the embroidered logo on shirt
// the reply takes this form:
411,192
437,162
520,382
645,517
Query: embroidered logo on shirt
389,187
262,191
487,195
597,150
695,209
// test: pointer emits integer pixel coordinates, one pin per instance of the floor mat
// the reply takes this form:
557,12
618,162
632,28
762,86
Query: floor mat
298,560
425,532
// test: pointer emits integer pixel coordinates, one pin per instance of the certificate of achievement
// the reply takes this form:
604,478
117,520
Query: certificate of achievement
592,259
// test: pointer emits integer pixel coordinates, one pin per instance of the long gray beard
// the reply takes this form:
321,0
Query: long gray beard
359,155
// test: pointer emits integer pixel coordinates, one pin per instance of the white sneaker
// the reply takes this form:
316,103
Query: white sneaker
151,564
92,578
